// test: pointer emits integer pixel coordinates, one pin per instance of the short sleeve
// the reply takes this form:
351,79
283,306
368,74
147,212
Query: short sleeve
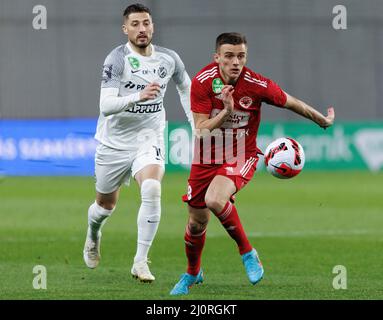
113,68
273,94
199,98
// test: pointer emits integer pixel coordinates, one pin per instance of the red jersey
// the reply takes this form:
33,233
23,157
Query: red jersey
241,128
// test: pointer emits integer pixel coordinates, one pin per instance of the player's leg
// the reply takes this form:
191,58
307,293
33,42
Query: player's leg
195,235
218,201
195,232
111,169
148,218
98,214
100,211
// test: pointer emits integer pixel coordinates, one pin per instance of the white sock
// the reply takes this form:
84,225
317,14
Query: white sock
148,217
97,217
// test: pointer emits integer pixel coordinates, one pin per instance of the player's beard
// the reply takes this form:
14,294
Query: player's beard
143,45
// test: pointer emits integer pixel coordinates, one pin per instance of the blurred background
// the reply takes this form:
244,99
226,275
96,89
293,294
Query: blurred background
330,215
50,78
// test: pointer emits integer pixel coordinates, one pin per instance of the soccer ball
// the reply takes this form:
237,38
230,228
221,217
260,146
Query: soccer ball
284,158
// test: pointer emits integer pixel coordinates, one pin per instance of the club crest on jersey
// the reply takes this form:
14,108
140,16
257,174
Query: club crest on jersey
162,72
134,63
245,102
217,85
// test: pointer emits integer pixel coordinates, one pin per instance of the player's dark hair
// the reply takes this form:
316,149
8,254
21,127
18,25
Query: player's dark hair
135,8
229,38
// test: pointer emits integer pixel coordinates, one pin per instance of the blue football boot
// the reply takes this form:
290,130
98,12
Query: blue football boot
186,281
253,266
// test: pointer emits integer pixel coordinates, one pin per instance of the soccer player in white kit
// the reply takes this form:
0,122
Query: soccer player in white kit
130,132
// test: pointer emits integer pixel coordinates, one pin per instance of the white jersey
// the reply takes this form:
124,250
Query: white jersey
125,74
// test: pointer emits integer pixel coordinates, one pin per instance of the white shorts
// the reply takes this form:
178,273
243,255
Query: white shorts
115,167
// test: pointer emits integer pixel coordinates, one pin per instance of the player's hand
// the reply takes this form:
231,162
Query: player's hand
150,92
227,98
329,119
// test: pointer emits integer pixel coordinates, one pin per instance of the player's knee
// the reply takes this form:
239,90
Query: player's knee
151,190
106,204
198,223
196,227
215,203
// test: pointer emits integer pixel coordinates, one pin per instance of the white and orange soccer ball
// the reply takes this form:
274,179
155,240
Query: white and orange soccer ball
284,158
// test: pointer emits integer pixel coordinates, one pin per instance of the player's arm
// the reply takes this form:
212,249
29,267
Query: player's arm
110,100
203,122
183,90
183,84
309,112
274,95
112,103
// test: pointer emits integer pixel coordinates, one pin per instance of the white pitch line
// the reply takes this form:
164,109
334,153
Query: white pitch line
313,233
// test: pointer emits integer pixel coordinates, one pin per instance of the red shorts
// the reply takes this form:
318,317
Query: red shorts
201,176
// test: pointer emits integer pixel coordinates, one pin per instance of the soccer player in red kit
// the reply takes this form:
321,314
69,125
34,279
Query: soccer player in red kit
226,100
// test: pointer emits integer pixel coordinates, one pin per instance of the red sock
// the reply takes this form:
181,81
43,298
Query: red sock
230,220
193,246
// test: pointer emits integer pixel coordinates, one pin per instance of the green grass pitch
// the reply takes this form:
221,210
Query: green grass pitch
301,227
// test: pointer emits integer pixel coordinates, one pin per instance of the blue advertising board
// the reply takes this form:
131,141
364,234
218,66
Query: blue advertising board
47,147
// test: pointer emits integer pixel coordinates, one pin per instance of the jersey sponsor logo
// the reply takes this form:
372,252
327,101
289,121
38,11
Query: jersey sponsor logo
130,85
162,72
217,85
245,102
145,108
107,72
237,119
134,63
